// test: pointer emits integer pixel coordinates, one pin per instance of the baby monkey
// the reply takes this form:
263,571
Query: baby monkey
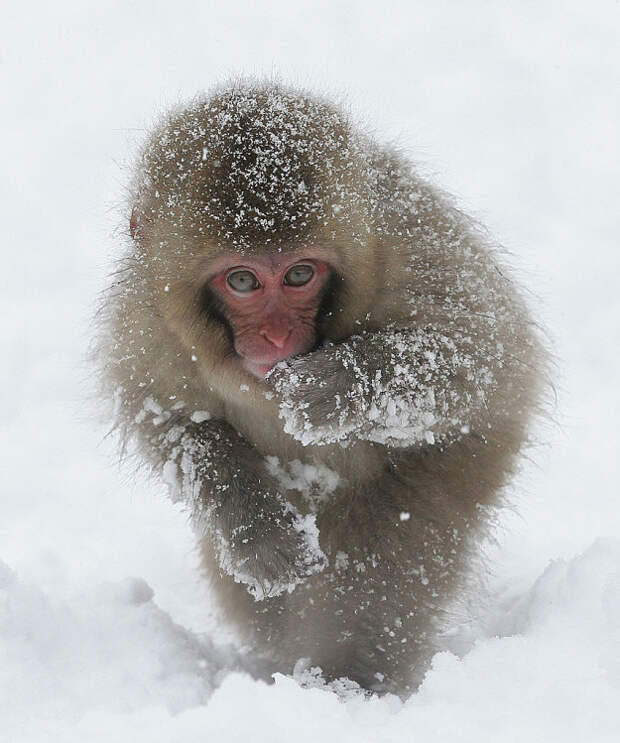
326,361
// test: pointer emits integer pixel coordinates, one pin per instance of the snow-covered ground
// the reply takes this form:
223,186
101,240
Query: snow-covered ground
106,631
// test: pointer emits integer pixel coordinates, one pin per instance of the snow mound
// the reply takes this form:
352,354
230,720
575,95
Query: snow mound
110,665
109,648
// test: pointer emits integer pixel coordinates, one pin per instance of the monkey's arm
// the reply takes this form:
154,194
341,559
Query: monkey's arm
400,387
259,538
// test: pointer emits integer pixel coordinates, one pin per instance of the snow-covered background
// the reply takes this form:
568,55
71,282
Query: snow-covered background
106,630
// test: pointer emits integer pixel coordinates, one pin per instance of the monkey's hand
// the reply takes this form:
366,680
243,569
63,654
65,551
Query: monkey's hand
324,395
273,551
399,387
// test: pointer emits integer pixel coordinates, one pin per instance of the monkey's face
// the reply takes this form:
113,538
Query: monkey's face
271,304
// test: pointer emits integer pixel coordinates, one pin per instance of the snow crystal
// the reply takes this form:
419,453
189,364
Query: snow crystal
199,416
170,474
314,482
150,405
341,560
311,677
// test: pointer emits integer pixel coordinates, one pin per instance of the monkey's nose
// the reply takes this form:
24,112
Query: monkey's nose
276,336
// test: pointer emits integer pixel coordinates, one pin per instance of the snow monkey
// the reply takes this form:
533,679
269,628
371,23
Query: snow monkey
324,359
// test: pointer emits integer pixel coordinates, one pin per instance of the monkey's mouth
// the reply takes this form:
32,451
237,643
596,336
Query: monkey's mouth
259,359
257,369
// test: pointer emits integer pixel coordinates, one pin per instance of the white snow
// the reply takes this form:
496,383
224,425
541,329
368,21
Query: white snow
545,665
198,416
514,107
314,482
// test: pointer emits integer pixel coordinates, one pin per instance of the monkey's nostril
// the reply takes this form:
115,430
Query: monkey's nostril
277,338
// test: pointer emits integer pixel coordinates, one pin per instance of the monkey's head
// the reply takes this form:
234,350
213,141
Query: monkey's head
252,217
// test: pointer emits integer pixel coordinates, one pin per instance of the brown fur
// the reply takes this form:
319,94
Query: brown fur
257,167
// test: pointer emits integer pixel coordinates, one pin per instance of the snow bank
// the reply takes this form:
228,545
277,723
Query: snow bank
109,648
110,665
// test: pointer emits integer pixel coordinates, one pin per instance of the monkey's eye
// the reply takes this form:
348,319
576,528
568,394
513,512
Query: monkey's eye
299,275
242,281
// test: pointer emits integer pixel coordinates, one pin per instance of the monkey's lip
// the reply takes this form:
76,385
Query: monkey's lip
257,368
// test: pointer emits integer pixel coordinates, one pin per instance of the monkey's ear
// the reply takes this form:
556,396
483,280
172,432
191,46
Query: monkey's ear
135,225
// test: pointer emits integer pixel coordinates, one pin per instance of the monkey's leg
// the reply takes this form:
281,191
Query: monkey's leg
396,547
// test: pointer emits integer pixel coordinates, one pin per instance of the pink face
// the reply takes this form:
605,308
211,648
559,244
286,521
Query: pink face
271,303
